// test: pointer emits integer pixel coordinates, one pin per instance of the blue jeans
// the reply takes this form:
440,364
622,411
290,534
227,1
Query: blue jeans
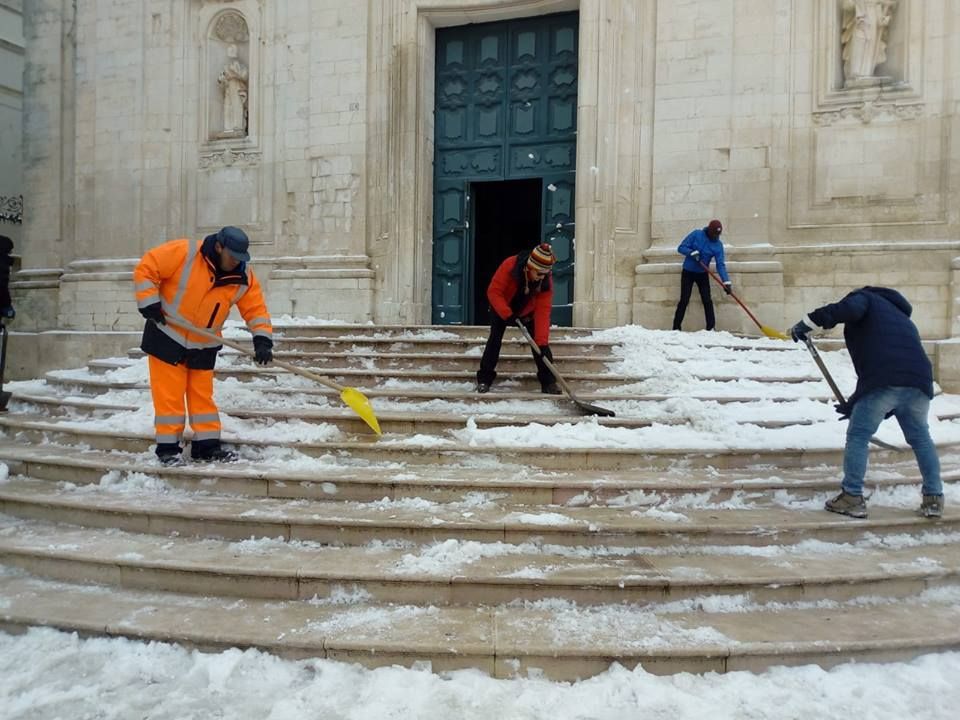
910,406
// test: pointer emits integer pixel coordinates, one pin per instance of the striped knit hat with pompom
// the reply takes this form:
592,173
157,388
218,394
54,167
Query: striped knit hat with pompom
541,258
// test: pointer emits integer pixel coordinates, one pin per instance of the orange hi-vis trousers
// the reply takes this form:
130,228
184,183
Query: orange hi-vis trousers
169,384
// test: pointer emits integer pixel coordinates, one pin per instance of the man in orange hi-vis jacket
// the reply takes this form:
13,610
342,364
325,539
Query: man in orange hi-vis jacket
199,281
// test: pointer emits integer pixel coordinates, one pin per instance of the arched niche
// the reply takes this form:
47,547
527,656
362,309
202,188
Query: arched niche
228,77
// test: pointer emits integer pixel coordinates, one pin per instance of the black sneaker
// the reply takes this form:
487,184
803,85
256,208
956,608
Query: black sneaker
845,504
551,389
932,506
483,387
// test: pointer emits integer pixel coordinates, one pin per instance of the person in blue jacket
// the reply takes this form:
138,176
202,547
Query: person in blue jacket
894,377
701,246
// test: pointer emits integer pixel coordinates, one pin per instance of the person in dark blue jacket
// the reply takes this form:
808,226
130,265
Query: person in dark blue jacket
894,377
699,248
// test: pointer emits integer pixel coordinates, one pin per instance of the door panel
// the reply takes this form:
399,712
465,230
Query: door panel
450,245
558,230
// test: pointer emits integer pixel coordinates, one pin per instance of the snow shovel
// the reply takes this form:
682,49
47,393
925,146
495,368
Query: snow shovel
352,397
586,407
833,386
766,330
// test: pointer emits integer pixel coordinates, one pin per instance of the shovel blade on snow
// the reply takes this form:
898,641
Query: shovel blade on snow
360,404
592,409
771,333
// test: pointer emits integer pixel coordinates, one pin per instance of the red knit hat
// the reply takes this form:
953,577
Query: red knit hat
541,258
714,228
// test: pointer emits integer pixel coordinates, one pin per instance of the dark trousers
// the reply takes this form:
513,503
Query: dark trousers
687,279
491,353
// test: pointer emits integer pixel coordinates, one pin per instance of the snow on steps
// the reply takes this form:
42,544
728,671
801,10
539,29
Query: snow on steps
496,556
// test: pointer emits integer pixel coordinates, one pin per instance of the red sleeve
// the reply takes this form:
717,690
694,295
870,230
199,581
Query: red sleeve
500,291
543,304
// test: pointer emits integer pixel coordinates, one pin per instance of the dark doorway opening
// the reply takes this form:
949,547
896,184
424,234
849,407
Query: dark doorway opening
507,219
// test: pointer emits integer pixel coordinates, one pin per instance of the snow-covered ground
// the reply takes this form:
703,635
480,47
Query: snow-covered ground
47,675
50,675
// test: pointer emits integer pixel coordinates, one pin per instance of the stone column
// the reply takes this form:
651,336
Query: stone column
49,27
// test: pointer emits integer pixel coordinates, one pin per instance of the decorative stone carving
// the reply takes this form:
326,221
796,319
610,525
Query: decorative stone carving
231,28
11,209
866,112
864,40
229,158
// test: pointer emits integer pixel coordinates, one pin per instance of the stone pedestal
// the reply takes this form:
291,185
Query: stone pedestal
758,284
331,288
35,296
98,295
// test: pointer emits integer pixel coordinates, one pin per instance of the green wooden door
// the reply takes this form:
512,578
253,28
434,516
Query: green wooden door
506,108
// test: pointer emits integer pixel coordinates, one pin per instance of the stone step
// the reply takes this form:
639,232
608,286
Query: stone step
560,642
465,572
332,481
512,344
416,421
370,376
445,543
758,522
501,392
512,363
405,332
324,362
442,451
479,333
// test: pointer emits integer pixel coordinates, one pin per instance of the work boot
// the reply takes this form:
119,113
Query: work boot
932,506
211,451
170,459
551,389
169,454
483,387
218,455
846,504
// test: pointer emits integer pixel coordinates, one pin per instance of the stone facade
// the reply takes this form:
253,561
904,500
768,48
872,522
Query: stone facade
11,111
687,110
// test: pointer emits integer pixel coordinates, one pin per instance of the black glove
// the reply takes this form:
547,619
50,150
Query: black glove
799,331
728,287
695,255
844,409
154,312
262,350
8,312
511,320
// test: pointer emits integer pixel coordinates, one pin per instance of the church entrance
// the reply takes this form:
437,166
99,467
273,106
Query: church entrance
506,221
505,158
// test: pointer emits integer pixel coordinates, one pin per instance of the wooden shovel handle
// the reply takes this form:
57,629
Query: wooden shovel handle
247,351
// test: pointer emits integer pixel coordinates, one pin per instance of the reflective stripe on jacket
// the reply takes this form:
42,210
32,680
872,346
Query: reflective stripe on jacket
179,276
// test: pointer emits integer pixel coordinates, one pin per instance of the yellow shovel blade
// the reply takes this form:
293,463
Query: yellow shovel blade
359,403
771,333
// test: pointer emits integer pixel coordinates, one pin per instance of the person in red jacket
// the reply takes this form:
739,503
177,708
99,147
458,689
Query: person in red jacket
521,289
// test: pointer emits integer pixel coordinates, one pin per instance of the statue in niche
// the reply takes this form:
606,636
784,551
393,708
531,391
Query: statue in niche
233,84
864,39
